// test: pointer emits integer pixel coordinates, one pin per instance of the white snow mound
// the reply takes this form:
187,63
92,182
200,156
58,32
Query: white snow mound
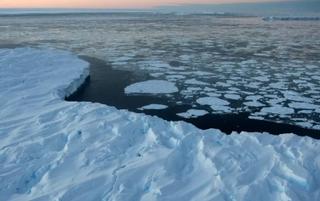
51,149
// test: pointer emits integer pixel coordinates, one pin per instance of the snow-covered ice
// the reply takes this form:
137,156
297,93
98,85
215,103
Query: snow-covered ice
152,87
51,149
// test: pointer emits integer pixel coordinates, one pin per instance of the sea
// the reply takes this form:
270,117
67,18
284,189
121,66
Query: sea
233,72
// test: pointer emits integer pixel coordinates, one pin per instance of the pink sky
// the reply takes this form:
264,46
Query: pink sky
106,3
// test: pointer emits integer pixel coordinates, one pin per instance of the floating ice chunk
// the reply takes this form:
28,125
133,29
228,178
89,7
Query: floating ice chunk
256,117
213,94
253,97
234,89
154,107
275,101
317,127
193,113
305,124
152,87
221,108
232,96
154,65
312,67
278,109
215,103
159,64
316,77
201,73
157,74
305,112
212,101
296,97
262,78
185,57
246,62
301,105
223,84
254,104
278,85
195,82
175,77
208,89
254,85
192,89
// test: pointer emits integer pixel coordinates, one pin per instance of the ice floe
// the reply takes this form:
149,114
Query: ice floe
232,96
303,105
254,104
154,107
193,113
212,101
215,103
152,87
195,82
278,109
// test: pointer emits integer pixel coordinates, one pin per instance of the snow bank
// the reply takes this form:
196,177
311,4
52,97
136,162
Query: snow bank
152,87
56,150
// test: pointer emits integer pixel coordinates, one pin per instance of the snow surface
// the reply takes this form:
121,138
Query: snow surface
152,87
51,149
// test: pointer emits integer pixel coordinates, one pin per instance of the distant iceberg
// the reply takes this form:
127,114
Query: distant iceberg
290,18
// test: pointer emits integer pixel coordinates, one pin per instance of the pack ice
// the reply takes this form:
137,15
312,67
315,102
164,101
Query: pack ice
51,149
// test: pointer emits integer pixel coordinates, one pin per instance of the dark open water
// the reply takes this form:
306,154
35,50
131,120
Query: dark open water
106,86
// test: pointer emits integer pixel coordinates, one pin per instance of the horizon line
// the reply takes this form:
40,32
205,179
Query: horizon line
164,5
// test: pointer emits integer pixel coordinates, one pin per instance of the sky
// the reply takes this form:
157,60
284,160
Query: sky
125,4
